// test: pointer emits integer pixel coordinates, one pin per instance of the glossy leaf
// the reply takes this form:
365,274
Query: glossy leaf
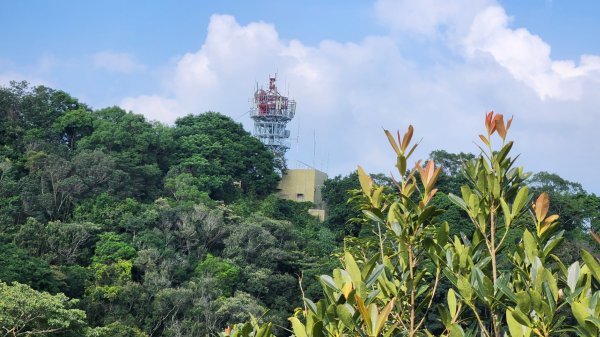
452,304
392,142
591,263
298,328
541,206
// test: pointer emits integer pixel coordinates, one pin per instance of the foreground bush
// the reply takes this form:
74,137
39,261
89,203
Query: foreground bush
390,289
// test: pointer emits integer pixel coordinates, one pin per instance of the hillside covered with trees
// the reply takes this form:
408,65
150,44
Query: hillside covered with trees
112,225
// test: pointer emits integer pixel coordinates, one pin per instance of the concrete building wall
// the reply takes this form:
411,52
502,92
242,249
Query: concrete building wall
303,185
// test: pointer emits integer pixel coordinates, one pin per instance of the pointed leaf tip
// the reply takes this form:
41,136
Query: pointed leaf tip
392,141
484,140
366,183
499,123
407,138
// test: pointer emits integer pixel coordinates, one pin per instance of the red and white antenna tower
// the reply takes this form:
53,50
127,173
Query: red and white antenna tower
271,112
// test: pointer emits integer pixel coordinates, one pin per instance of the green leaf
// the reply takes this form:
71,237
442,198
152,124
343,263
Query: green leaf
594,320
374,275
298,328
374,318
580,311
352,268
484,284
426,214
442,234
520,201
551,244
456,331
551,283
592,263
536,300
317,330
329,282
452,303
530,246
573,276
383,317
524,301
502,284
345,315
265,331
504,151
549,297
372,216
246,329
506,212
366,183
465,288
516,329
368,267
520,317
311,305
458,201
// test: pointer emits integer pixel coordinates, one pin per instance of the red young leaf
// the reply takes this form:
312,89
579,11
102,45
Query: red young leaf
485,141
499,122
595,236
407,138
508,123
541,206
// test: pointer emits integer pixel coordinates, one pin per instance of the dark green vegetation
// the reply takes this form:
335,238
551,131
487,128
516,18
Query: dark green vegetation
148,229
111,225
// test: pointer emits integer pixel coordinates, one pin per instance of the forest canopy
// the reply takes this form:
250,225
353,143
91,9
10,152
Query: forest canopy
113,225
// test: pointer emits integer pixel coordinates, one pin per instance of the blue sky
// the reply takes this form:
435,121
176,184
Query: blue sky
353,66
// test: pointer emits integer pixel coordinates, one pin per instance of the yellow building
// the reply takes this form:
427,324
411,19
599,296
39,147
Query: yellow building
304,185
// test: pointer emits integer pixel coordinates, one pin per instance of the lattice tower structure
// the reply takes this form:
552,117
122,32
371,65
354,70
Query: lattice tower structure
271,112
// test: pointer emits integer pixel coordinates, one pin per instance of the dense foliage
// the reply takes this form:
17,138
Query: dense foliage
149,229
417,280
111,225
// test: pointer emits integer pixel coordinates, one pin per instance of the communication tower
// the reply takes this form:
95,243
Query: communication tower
271,112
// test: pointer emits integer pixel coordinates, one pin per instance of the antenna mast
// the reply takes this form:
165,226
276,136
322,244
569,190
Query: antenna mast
271,112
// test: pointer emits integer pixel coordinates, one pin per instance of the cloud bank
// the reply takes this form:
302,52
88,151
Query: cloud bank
439,65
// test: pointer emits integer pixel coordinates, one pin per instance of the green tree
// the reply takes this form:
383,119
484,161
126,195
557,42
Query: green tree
184,188
58,242
219,153
134,145
226,273
9,200
112,248
74,125
51,189
18,266
26,312
238,308
115,329
336,192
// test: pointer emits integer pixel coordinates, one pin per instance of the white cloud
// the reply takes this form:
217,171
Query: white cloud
347,92
429,17
527,57
116,62
154,107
